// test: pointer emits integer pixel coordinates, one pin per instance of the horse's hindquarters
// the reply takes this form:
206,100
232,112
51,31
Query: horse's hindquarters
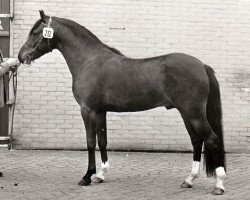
186,82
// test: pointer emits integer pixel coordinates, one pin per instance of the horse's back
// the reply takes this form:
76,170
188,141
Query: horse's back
123,84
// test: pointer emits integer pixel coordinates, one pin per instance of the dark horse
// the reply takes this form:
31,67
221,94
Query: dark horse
105,80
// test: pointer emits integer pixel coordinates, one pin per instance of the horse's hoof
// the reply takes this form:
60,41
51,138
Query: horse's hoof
186,185
1,174
217,191
97,180
84,182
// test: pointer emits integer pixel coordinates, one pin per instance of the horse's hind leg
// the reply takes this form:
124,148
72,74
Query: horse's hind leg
101,129
211,140
197,146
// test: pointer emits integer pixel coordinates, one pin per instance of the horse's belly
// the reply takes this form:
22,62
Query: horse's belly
136,103
131,108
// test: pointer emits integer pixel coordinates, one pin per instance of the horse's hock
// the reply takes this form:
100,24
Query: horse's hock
47,115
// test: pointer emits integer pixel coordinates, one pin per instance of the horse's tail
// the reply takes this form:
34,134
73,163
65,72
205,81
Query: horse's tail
214,116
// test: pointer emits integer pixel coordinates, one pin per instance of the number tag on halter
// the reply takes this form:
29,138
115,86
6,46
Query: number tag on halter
48,32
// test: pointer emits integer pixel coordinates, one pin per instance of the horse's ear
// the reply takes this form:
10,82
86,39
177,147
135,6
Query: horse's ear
42,15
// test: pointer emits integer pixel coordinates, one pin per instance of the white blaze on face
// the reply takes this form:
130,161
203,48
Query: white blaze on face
195,172
220,177
104,169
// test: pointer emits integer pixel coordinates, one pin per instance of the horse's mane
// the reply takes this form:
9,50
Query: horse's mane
114,50
79,29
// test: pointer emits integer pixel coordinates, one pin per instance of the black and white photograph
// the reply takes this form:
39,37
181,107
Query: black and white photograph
124,99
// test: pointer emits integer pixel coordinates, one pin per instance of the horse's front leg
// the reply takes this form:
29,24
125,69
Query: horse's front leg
89,118
101,129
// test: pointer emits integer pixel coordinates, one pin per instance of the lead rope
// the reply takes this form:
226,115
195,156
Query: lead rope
12,106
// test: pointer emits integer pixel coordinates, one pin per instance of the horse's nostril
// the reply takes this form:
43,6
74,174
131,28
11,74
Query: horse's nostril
21,58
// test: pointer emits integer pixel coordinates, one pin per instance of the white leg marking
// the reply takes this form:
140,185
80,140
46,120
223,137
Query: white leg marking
220,177
195,172
104,169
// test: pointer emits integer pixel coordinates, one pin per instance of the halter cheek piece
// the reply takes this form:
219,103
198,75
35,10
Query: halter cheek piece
48,39
48,25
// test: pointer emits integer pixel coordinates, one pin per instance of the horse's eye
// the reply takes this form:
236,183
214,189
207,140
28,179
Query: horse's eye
35,34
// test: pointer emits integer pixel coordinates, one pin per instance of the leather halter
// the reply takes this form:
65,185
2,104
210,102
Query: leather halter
48,39
48,25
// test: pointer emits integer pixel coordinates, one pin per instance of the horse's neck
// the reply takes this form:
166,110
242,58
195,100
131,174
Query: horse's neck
77,49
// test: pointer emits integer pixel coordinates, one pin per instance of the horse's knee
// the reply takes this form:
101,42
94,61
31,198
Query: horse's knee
91,147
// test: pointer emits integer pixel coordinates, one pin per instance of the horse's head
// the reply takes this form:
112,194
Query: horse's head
40,40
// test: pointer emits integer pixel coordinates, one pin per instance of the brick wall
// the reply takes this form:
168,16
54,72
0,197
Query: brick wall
217,32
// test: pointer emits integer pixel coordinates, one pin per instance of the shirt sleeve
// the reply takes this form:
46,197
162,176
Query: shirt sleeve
4,68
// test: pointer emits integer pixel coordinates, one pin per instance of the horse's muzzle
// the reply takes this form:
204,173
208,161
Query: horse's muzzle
21,58
25,56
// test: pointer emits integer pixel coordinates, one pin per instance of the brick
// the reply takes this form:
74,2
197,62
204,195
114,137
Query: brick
217,33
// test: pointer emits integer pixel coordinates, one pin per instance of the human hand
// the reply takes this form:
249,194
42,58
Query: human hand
13,62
